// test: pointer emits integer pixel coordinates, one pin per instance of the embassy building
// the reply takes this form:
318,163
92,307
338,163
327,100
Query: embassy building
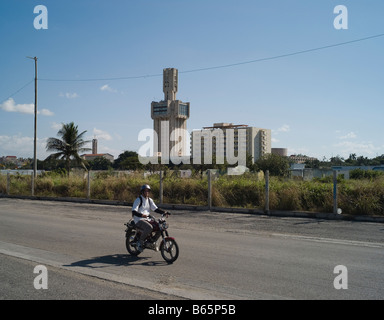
170,119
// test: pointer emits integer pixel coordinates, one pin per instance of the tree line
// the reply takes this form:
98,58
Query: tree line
70,143
352,160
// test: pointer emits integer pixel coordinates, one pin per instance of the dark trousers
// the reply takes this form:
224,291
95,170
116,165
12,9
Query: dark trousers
145,228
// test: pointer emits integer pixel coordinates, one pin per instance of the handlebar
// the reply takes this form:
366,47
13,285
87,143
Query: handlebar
165,214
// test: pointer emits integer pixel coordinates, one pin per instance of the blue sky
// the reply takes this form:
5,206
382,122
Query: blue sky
321,103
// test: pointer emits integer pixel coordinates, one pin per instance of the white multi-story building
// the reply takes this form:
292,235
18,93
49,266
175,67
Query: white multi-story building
225,140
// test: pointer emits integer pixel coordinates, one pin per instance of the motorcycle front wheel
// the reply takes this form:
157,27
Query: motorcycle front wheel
130,243
169,250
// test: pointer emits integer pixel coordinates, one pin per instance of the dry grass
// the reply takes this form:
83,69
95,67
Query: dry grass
356,197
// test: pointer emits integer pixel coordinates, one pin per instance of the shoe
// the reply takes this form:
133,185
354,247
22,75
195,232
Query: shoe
139,246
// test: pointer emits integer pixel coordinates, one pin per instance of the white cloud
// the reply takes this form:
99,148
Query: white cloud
350,135
102,135
283,128
106,87
11,106
56,126
22,146
360,148
12,142
45,112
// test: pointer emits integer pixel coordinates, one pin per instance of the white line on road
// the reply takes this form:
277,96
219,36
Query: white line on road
330,240
63,262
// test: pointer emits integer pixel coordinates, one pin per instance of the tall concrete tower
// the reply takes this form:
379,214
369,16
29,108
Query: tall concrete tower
170,119
94,146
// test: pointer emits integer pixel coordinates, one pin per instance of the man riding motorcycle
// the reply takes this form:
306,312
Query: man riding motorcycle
141,209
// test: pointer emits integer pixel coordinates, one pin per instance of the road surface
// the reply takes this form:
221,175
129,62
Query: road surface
222,255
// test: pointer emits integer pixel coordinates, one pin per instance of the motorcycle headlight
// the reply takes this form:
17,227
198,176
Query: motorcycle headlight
164,225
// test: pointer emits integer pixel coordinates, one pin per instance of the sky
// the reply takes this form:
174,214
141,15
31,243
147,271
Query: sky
250,62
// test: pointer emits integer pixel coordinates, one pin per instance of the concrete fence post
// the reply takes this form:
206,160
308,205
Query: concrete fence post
266,209
209,190
89,185
32,184
8,183
334,191
161,187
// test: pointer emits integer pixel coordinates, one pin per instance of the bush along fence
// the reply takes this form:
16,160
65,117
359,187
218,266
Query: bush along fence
249,190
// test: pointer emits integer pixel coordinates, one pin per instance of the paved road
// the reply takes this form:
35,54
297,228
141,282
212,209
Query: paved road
223,255
17,279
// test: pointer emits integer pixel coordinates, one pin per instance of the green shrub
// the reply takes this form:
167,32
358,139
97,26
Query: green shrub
3,184
362,197
365,174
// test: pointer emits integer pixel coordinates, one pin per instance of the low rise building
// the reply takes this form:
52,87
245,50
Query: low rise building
93,156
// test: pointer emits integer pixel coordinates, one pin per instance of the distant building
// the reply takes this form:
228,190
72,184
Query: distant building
92,156
13,162
12,159
94,146
170,118
301,158
346,170
210,140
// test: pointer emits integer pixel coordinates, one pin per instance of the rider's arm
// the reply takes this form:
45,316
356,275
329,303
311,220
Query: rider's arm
158,210
167,213
138,214
155,208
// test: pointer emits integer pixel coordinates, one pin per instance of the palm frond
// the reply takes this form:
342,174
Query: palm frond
70,144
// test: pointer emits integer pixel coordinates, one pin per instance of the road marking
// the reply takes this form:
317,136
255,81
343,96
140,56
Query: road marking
63,261
330,240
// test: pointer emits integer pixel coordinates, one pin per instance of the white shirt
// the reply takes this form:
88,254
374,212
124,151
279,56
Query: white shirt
145,208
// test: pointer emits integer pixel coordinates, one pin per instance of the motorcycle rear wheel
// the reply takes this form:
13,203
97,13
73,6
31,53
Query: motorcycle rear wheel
169,250
130,243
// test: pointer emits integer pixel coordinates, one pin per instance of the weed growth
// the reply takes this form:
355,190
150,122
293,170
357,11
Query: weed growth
363,196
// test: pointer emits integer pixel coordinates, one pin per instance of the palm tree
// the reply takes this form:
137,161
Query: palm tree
69,146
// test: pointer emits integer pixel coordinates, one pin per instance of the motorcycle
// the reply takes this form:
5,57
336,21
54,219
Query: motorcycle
167,246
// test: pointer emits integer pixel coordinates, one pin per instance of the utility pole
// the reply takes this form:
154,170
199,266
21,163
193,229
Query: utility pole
35,127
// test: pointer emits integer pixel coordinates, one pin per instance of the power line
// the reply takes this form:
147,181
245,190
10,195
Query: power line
285,55
223,66
101,79
16,92
203,69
